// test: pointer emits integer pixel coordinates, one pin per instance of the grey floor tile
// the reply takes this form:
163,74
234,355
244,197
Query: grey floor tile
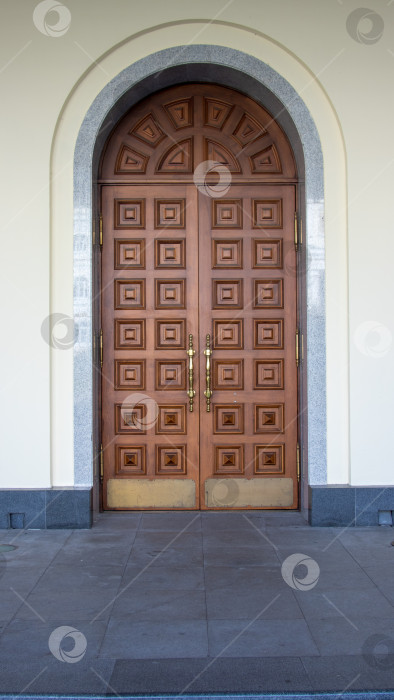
172,522
155,640
27,642
87,554
335,673
72,604
239,638
326,603
340,636
168,540
248,602
219,555
80,576
163,577
51,676
222,577
209,675
232,538
160,605
213,522
173,556
9,605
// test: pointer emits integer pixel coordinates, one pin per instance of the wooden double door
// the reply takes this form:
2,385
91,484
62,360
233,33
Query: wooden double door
199,307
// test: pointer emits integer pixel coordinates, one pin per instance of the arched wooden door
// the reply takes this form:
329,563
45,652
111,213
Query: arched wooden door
198,195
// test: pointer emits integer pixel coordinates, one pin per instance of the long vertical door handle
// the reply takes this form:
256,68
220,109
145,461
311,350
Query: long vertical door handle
191,392
208,391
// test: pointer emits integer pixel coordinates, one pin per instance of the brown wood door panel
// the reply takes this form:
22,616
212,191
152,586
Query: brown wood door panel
177,259
149,306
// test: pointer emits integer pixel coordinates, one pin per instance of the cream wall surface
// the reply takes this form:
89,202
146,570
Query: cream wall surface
48,83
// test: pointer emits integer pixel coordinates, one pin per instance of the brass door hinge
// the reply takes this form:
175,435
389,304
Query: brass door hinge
101,463
297,347
298,462
297,231
101,230
101,348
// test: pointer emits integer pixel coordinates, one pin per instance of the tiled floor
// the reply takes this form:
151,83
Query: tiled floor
197,602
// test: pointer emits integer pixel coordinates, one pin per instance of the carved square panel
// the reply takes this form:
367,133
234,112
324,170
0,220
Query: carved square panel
129,374
228,374
268,333
269,418
171,419
228,418
170,334
129,213
170,375
170,294
129,334
170,253
267,253
129,294
171,459
268,374
130,418
268,294
227,213
269,459
229,460
227,294
130,461
267,213
228,335
226,253
129,254
169,213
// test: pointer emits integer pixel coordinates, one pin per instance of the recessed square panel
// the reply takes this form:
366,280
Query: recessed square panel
228,334
268,294
171,459
229,460
129,334
228,374
170,375
268,374
170,334
228,419
226,213
169,213
129,213
269,418
170,294
170,253
226,253
130,461
267,253
129,374
227,294
129,294
269,459
129,254
130,418
171,419
267,213
268,333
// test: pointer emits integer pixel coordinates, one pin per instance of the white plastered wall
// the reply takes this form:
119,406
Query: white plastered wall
51,82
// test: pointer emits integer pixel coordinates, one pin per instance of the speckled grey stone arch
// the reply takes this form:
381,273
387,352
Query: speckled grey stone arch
258,80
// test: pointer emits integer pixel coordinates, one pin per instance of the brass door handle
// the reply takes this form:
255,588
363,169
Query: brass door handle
208,353
191,392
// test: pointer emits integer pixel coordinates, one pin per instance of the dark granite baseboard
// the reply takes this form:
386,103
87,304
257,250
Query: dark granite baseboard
348,506
42,509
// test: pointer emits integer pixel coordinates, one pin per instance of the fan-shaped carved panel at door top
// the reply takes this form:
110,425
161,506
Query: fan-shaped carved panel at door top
168,134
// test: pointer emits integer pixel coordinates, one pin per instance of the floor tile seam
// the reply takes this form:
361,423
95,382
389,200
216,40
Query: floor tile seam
33,588
363,569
